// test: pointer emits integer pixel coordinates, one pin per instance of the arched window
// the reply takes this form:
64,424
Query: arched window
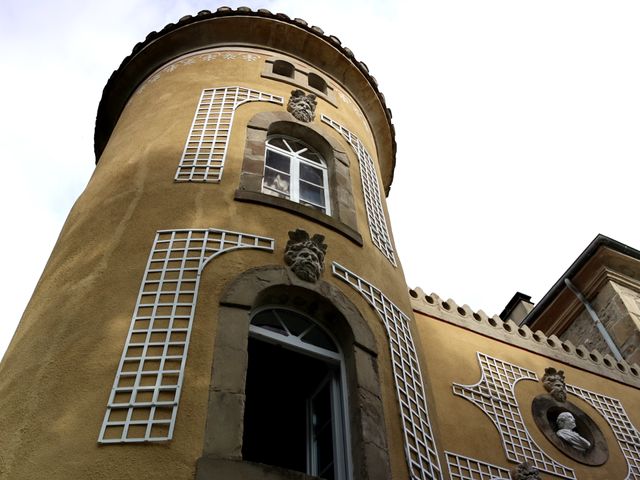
324,154
295,171
280,67
317,82
294,413
266,355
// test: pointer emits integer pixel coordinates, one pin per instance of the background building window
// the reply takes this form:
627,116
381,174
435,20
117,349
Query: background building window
295,171
294,411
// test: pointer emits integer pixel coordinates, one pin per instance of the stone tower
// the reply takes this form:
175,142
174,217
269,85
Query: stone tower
213,306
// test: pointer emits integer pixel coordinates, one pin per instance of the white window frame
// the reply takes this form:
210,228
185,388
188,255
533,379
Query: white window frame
295,160
338,392
371,190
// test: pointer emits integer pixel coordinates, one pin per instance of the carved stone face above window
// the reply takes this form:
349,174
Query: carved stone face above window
305,255
302,106
554,383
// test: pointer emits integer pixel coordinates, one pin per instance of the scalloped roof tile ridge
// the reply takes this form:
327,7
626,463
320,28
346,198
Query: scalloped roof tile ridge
563,350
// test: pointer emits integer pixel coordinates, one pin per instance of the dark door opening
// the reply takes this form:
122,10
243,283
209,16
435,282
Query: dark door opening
283,389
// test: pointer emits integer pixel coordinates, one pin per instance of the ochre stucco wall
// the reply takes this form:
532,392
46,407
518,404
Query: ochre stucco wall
450,356
57,374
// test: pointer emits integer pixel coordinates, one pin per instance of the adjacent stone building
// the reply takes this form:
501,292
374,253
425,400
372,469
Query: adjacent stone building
601,286
225,300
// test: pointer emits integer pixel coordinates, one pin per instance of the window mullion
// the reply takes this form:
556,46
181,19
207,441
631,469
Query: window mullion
295,178
311,446
337,427
295,342
325,189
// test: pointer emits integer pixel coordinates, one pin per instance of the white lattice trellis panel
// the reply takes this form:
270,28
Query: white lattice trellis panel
144,399
370,186
494,395
614,413
206,148
466,468
420,447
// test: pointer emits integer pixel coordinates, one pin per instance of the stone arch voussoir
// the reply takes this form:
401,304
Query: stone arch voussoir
225,416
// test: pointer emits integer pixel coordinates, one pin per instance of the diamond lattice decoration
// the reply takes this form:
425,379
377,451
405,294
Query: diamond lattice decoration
494,395
206,148
420,446
466,468
370,187
614,413
144,399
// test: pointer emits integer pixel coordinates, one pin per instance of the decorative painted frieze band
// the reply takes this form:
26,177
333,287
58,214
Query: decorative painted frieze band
206,147
626,433
144,399
201,56
371,188
420,446
494,395
467,468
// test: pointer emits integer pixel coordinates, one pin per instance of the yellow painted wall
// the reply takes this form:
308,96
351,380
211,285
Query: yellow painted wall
57,374
450,355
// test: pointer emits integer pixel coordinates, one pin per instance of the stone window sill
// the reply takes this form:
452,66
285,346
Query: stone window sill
303,211
210,468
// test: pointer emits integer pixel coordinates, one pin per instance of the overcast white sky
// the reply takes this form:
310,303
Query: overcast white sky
517,126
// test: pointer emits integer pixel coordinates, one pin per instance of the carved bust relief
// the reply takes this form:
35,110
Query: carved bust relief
302,106
567,427
305,255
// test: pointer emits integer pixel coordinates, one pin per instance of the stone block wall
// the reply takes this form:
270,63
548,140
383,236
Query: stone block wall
618,308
